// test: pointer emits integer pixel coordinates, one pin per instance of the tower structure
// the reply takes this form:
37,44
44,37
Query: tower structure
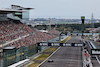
49,24
92,22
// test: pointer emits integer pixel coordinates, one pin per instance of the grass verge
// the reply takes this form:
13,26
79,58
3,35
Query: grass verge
42,57
50,49
34,65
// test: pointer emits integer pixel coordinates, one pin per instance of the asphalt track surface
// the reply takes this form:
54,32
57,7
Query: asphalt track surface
76,39
66,56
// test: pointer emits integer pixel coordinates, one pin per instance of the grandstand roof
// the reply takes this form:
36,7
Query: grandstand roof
7,11
27,8
20,7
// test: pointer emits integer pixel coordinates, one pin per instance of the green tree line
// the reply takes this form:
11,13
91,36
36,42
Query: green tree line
67,27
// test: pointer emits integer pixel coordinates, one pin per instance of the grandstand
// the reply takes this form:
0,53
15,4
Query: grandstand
14,33
24,34
12,29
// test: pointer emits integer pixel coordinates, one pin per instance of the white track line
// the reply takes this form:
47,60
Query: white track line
49,57
97,59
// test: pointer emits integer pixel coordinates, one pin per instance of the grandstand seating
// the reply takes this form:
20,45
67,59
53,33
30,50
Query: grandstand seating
54,31
10,31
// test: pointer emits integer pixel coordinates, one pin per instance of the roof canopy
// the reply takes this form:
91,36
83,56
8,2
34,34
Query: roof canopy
20,7
7,11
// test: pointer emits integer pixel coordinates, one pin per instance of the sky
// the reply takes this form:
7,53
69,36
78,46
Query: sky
69,9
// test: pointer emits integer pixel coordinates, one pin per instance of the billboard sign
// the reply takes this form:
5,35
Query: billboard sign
59,44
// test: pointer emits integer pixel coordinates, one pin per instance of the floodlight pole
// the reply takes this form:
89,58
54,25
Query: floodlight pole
82,19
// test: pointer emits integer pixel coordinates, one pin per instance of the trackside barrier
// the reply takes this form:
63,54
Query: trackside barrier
20,63
92,45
